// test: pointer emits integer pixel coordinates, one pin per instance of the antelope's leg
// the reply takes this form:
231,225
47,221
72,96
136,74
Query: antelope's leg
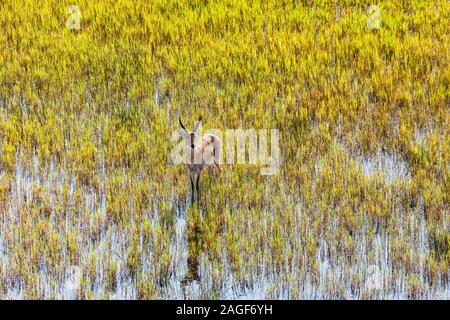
192,189
217,168
198,187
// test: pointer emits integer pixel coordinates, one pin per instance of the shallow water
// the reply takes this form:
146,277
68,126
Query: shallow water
389,165
198,275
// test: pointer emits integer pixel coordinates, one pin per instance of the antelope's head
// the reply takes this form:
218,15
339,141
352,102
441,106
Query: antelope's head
191,137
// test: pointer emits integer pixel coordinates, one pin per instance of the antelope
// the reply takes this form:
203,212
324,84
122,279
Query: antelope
205,154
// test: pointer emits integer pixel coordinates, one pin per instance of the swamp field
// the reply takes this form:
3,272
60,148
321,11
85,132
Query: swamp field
92,207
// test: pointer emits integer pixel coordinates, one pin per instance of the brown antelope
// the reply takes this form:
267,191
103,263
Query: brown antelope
204,154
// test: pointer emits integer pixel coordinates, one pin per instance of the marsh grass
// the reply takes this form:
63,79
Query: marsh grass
92,208
282,250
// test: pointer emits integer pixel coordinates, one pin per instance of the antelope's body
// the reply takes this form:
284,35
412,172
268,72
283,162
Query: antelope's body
205,154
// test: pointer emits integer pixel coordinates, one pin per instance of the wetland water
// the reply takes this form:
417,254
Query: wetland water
181,264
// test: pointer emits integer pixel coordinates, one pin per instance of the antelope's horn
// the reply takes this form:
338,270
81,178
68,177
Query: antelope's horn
181,124
197,124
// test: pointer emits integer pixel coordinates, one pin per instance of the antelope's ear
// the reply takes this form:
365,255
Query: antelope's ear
183,133
197,125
